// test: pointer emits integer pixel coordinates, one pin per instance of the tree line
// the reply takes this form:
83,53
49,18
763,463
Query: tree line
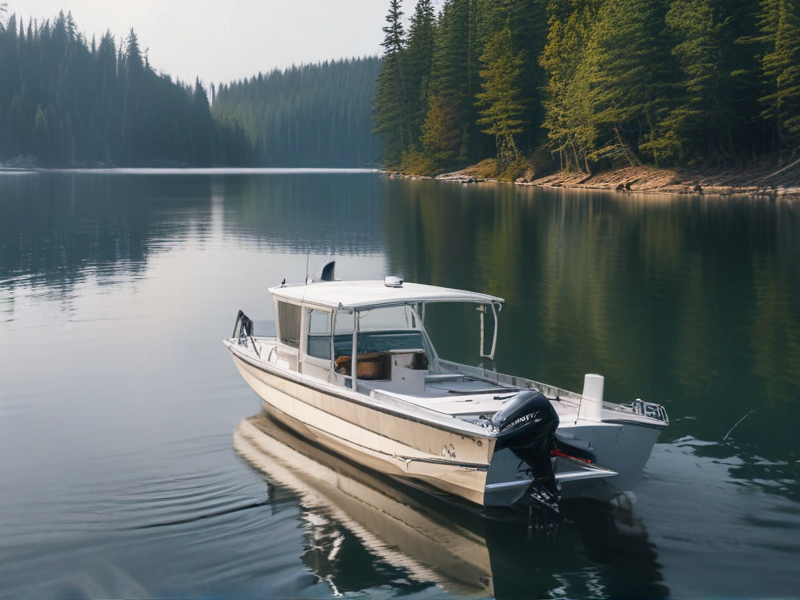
588,84
307,116
65,101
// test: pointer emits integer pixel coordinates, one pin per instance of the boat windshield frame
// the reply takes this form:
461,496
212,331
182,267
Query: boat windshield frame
420,318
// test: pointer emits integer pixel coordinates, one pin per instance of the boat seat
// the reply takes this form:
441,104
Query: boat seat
371,366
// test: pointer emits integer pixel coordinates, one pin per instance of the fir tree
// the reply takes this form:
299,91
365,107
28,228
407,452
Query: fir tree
441,133
420,59
779,24
391,101
630,75
708,116
452,70
500,100
568,111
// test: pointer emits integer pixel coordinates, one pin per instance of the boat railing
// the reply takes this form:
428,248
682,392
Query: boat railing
641,408
512,381
243,331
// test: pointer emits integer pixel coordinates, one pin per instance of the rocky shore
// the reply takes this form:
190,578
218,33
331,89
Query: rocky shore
780,182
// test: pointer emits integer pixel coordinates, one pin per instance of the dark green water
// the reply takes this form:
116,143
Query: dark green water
118,402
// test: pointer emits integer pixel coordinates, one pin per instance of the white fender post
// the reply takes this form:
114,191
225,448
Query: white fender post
592,402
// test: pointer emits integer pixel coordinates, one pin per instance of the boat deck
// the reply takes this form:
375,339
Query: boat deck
458,396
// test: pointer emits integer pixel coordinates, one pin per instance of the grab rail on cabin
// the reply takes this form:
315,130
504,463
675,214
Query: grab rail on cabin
243,331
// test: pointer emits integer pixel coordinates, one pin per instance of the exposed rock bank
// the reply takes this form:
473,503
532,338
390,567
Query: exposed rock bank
783,182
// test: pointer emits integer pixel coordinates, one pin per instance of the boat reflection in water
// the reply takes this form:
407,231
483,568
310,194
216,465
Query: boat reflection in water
594,549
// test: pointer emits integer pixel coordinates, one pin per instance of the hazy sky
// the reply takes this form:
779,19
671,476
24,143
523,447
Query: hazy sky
229,39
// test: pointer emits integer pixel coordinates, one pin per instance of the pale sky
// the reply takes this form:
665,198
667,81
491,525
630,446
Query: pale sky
232,39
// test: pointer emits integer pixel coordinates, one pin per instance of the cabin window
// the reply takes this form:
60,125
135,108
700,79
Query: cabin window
379,330
319,334
391,318
289,323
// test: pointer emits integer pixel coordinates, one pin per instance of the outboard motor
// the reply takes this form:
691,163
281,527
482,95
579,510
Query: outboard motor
527,425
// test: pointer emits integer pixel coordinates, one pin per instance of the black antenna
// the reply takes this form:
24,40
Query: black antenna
308,256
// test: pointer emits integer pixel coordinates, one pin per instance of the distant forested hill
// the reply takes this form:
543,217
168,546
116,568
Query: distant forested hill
590,83
311,116
65,101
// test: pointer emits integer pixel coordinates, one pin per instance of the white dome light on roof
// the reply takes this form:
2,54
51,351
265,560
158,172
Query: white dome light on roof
393,281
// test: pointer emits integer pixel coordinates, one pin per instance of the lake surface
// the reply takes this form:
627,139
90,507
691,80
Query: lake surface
118,402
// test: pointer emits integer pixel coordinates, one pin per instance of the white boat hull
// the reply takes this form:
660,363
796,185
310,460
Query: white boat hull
439,456
446,460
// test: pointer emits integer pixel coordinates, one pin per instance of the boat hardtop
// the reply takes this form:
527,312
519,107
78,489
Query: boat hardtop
364,295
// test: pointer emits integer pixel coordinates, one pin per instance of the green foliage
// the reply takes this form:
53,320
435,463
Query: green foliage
779,25
605,82
442,131
418,64
454,70
492,168
714,99
392,117
572,130
418,163
500,98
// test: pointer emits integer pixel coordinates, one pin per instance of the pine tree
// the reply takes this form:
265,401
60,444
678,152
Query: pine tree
500,100
202,126
528,22
779,24
133,72
441,133
568,115
419,62
391,118
454,68
630,75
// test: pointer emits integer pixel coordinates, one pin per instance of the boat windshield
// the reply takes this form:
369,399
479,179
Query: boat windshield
379,330
379,341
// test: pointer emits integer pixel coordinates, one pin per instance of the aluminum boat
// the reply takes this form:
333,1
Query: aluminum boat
352,367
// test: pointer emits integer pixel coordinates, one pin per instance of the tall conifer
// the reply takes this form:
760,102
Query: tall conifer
779,24
392,119
500,99
418,65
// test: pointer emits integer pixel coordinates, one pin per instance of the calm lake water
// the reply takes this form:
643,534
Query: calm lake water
118,402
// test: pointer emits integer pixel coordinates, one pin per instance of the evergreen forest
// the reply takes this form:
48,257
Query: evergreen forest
535,85
66,101
308,116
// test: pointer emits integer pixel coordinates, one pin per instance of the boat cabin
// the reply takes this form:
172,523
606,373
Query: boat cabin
375,329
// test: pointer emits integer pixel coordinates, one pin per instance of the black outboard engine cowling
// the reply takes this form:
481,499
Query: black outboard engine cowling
527,425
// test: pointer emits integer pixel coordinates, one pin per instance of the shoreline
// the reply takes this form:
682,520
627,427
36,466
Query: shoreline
188,170
757,182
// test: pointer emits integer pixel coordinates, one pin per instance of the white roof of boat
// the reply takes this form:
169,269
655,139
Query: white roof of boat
366,294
